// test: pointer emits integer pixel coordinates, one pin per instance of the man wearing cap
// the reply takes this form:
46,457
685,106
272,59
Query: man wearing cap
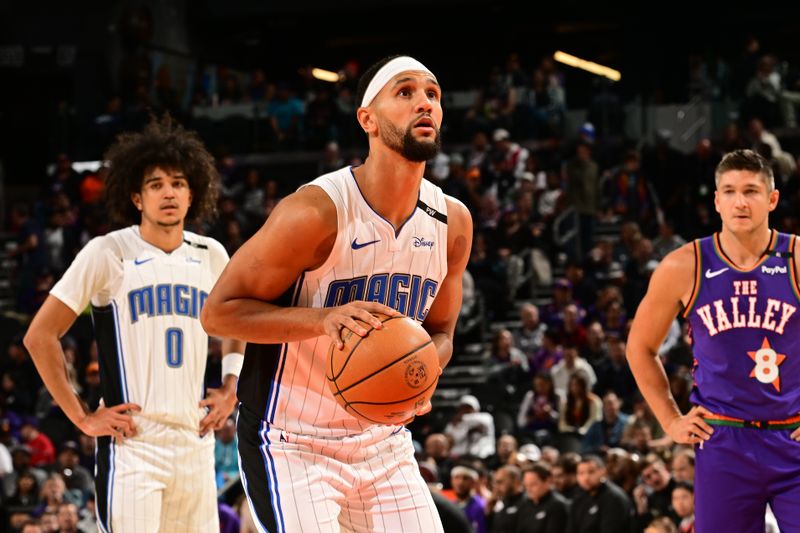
471,430
353,243
68,465
509,161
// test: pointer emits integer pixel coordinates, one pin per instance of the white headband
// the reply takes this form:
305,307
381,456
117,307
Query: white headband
389,71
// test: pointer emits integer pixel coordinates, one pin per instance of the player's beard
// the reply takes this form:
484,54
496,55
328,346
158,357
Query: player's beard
406,145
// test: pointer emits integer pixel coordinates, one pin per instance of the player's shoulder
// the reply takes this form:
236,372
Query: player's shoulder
203,242
113,243
678,267
310,205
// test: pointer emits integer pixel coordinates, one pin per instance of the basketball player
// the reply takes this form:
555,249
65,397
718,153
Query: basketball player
147,284
358,241
738,289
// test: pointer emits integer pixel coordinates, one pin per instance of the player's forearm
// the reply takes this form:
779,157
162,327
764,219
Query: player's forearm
444,347
260,322
654,385
48,357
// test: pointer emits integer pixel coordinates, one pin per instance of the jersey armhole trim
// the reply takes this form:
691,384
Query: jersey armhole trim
330,261
698,272
793,268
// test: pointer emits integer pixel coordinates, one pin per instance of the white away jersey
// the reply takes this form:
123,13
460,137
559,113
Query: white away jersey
285,383
146,310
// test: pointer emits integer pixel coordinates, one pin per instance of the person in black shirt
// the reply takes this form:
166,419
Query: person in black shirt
543,510
503,505
602,507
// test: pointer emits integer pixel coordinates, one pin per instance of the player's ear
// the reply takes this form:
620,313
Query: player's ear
366,120
136,198
774,196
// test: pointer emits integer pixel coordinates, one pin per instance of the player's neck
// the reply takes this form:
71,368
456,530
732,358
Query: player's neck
390,183
745,249
167,238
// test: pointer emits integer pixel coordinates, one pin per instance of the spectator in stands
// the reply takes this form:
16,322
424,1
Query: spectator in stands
553,313
579,410
582,177
502,507
683,503
569,366
32,526
331,159
21,459
287,113
782,162
437,448
471,430
20,381
632,195
542,509
549,354
528,337
613,373
653,498
683,465
602,506
68,518
661,525
538,411
508,162
623,469
506,447
667,240
565,475
595,351
464,480
30,252
43,453
53,493
26,494
571,330
226,458
68,465
606,433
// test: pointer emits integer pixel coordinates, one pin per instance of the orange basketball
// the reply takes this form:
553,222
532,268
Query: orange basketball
387,375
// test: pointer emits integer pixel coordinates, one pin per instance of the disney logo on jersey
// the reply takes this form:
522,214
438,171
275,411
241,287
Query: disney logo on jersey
773,270
421,243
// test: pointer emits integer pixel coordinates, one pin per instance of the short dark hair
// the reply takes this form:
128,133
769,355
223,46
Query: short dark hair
746,160
685,485
363,81
166,144
542,470
568,462
593,458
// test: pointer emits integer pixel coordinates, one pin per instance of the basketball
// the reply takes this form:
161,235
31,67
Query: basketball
387,375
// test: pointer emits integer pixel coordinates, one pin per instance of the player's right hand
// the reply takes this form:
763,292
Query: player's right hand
344,316
691,428
110,421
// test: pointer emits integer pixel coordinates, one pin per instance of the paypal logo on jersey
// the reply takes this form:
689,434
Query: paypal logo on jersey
166,299
410,295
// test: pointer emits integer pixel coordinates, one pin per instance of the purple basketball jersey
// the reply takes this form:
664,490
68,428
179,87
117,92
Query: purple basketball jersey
745,332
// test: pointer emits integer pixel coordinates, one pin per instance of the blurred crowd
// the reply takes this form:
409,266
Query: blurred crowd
569,226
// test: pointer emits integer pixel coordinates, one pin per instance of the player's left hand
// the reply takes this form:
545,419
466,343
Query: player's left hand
220,403
796,434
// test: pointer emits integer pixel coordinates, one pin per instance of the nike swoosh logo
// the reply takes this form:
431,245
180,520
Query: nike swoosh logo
137,262
714,274
357,246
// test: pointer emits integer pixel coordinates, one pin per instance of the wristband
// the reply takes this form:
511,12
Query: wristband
232,364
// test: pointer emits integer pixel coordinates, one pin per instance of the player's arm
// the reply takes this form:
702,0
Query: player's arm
43,342
671,282
298,236
222,401
443,314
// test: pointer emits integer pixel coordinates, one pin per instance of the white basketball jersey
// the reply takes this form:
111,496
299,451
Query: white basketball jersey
286,384
146,310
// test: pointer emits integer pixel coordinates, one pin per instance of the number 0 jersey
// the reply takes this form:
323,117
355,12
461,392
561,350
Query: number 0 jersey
746,332
146,310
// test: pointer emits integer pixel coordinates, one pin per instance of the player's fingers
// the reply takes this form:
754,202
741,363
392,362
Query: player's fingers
375,307
123,423
335,333
425,409
353,326
699,409
116,433
367,318
121,408
796,434
705,426
220,423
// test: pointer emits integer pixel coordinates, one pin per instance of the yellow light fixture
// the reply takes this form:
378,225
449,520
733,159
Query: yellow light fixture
325,75
588,66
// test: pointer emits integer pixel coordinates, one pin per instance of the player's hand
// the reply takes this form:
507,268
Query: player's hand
691,428
220,403
113,421
796,434
344,317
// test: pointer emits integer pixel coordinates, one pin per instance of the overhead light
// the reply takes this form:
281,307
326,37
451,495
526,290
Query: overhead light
325,75
588,66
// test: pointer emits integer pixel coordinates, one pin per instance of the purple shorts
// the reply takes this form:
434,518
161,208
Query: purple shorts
738,472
